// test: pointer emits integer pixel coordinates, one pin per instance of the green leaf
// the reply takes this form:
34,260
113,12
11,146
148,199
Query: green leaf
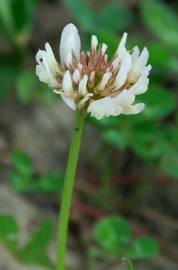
159,101
148,141
19,182
86,18
174,63
142,248
160,57
50,182
112,234
26,86
9,67
8,231
41,238
23,12
22,163
16,18
169,164
113,17
6,19
115,138
161,20
35,250
169,161
95,252
37,258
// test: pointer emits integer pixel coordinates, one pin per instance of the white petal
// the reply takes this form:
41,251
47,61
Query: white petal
42,75
51,59
105,80
84,100
46,78
104,48
76,76
94,42
39,56
70,42
80,67
47,67
67,83
82,86
135,54
140,63
68,59
92,76
125,97
121,76
106,58
49,51
145,71
101,107
116,110
141,85
122,43
115,63
133,109
44,71
143,58
125,101
104,107
139,108
123,71
69,102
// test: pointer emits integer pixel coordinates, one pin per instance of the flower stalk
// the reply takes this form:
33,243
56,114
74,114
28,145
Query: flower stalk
67,191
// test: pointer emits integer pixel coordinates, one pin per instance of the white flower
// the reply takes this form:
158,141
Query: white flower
88,81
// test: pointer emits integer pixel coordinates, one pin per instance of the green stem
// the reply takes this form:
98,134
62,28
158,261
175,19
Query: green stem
67,191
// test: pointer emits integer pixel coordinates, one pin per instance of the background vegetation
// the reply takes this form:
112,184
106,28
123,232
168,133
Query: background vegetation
125,201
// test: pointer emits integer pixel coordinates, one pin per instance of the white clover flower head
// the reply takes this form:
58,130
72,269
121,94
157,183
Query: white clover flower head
88,81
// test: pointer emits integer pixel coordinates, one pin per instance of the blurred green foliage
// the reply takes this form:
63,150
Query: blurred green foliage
16,19
163,26
16,23
114,239
24,178
34,251
112,236
106,19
